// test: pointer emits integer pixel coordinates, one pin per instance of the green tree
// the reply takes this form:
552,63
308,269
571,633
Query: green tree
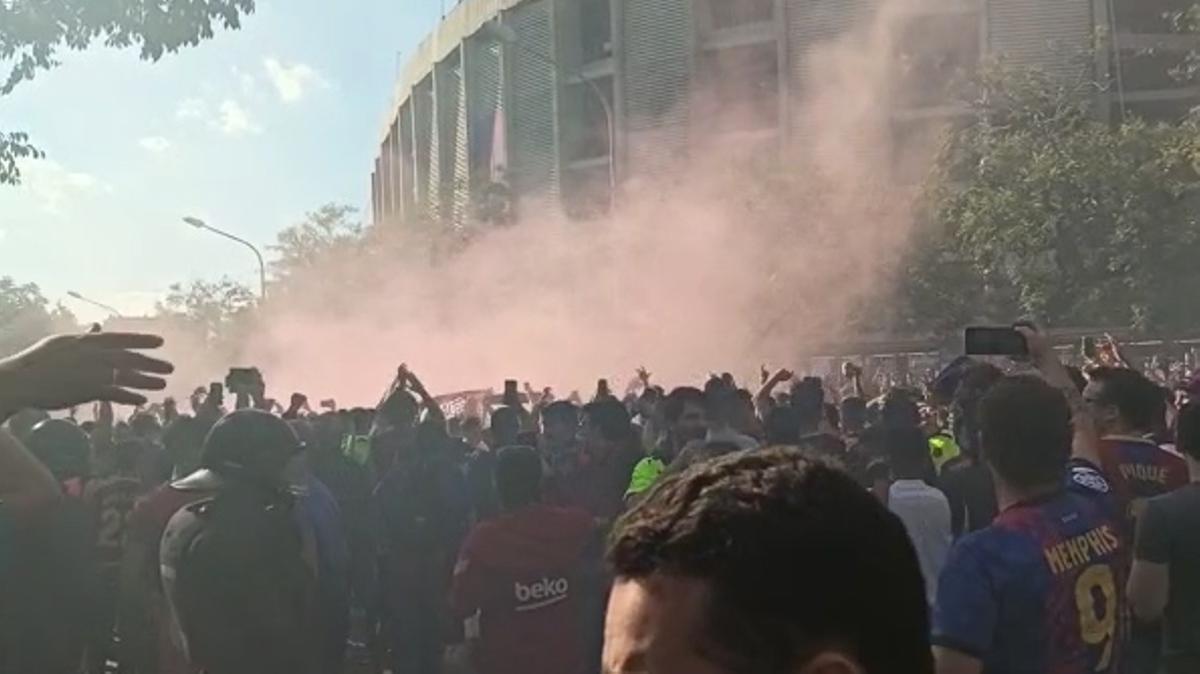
26,316
329,234
217,311
1041,210
32,32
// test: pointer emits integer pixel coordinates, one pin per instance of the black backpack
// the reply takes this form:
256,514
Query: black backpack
241,591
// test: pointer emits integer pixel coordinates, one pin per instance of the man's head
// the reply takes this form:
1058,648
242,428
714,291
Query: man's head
975,381
908,451
145,425
1187,431
900,409
685,414
782,427
183,442
506,426
765,562
1123,401
560,423
400,409
723,406
472,430
648,401
1025,432
252,444
330,430
854,415
606,426
808,397
61,447
432,437
518,477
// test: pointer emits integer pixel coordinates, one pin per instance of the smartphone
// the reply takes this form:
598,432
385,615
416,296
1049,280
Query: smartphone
239,379
512,394
989,341
216,394
1088,346
602,387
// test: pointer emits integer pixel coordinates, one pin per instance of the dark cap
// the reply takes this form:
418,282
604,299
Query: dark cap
250,442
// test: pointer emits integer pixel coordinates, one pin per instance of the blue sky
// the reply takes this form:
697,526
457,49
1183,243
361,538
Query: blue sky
248,131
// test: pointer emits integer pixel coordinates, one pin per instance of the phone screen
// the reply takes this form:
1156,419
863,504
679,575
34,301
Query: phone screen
1089,347
988,341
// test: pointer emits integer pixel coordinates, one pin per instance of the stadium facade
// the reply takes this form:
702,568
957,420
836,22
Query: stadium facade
567,98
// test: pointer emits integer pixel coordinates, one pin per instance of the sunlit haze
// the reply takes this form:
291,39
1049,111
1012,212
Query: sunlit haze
248,130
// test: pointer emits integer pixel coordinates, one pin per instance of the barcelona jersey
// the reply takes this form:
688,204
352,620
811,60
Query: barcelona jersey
1040,590
1138,469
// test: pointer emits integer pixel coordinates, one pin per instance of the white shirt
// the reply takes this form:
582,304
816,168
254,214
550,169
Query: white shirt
925,513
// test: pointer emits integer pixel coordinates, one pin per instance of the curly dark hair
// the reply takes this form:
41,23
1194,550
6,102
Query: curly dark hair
797,556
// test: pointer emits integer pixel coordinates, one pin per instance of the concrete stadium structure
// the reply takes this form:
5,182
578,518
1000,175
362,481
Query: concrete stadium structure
570,97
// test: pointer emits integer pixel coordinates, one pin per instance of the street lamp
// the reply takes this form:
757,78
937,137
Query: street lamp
262,267
504,33
81,298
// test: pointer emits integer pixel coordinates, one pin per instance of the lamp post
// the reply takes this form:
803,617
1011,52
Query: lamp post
505,34
81,298
262,267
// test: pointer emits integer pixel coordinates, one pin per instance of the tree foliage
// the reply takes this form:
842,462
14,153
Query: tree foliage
33,32
328,233
14,147
214,310
26,316
1039,209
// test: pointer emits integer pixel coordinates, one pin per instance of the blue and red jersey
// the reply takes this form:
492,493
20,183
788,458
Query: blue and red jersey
1138,469
1040,590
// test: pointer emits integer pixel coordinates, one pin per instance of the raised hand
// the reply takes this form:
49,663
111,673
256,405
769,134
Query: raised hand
415,385
65,370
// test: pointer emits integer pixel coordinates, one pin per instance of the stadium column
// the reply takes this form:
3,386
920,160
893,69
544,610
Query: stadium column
563,16
507,95
783,80
617,36
396,171
467,140
534,84
658,61
1102,54
376,215
423,122
388,198
407,158
437,144
445,88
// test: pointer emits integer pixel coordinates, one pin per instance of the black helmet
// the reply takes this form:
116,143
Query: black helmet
62,447
252,443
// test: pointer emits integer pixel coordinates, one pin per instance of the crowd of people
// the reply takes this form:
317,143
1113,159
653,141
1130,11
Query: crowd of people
1006,517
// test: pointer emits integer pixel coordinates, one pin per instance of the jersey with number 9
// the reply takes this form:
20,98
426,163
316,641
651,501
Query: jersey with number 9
1037,591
